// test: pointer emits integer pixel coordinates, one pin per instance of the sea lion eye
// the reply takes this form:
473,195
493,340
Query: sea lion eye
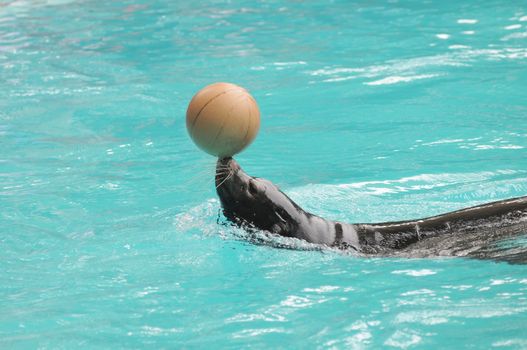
252,188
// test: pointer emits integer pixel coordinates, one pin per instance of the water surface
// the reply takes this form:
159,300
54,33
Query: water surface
371,111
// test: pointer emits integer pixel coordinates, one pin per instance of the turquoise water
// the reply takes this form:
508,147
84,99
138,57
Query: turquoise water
371,111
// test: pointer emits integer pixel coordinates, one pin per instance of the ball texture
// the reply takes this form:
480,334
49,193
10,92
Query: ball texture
223,119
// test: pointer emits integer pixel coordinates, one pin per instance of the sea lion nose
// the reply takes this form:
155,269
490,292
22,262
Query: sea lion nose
223,162
229,163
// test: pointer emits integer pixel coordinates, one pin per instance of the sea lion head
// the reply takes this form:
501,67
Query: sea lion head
252,201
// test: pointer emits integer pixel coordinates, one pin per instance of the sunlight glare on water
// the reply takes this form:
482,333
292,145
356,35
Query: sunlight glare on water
371,111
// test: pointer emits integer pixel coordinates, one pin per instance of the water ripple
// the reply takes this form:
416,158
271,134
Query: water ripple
407,70
398,79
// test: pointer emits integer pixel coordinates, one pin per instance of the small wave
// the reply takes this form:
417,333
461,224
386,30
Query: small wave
471,143
443,36
516,343
332,71
436,180
251,333
201,217
466,311
458,47
407,70
391,68
486,147
282,64
442,141
29,5
402,339
517,35
414,273
398,79
467,21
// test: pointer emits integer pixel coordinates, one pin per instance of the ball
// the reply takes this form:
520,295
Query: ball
223,119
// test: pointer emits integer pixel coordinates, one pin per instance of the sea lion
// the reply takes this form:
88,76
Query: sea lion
256,203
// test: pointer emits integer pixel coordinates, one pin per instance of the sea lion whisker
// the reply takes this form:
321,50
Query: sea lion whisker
226,178
223,171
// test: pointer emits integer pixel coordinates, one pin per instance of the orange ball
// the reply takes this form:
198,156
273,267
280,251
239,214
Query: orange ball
223,119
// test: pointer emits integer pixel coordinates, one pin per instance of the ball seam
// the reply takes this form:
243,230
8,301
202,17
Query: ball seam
205,105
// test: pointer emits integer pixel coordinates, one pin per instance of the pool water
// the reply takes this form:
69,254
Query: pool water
371,111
